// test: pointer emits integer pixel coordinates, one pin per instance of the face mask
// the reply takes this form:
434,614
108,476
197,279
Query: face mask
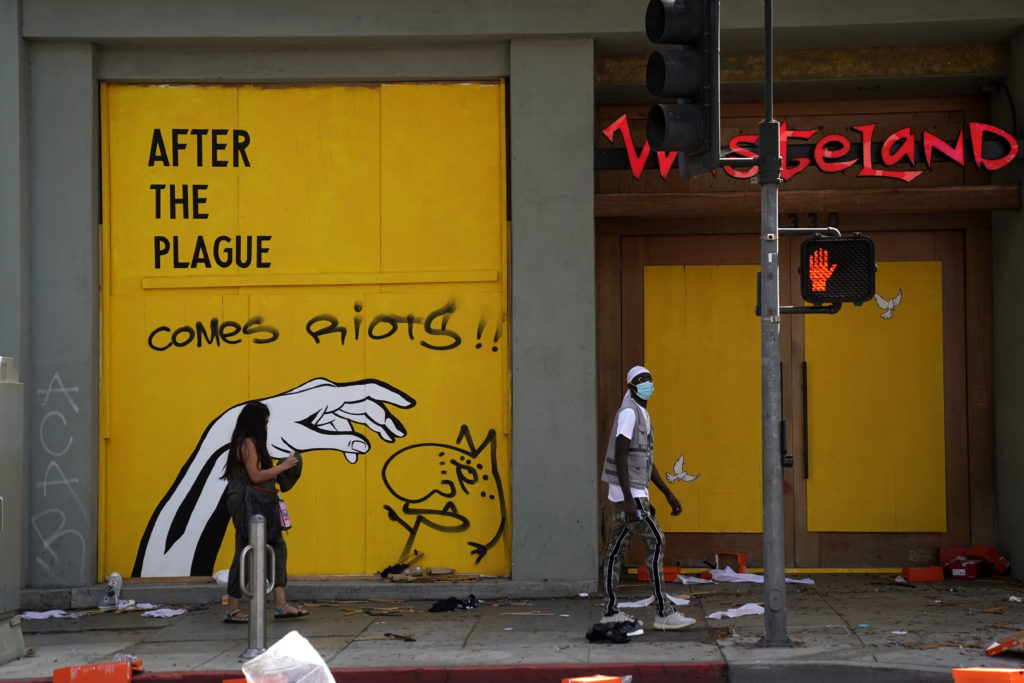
644,390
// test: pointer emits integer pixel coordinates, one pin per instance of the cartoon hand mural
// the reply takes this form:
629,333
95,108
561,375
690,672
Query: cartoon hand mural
185,531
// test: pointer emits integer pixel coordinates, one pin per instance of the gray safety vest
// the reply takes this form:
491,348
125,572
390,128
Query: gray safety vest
640,459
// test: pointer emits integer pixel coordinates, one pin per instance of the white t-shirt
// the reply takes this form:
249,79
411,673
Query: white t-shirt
627,420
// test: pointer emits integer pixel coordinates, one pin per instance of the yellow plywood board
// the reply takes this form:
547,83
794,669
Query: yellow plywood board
435,137
702,344
876,424
316,324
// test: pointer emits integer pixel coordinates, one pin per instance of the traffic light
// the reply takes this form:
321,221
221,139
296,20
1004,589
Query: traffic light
691,75
837,269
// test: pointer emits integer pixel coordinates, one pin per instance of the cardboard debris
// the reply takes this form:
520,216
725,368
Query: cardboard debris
933,573
971,562
670,573
997,646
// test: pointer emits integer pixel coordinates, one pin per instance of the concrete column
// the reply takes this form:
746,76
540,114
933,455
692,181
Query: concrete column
13,184
554,391
1008,330
61,387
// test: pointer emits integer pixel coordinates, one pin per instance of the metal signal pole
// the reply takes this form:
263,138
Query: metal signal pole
773,534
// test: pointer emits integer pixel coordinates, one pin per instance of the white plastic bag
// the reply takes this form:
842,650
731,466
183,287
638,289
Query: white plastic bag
290,660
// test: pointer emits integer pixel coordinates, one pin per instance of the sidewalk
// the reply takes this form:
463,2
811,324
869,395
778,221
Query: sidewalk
844,627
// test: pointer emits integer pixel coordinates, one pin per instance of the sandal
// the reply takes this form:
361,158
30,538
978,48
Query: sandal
236,617
290,611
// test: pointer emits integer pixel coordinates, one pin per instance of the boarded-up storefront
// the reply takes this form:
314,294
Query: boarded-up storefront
890,460
338,252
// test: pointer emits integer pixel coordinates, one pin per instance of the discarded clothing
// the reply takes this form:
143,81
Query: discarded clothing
453,604
51,614
742,610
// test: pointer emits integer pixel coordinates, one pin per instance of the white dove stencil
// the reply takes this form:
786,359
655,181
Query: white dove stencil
888,305
678,473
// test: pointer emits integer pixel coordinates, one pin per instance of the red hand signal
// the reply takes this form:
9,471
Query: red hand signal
819,270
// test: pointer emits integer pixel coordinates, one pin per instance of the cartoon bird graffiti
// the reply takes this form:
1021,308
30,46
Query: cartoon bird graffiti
463,493
888,305
678,472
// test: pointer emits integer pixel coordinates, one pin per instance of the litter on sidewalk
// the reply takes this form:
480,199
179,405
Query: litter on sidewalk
293,658
741,611
649,600
1013,640
727,575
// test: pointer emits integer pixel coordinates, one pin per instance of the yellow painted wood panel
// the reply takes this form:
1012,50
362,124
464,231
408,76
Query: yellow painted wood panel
702,345
436,137
349,353
875,394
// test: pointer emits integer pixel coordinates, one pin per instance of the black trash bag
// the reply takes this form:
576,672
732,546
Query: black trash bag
453,604
616,632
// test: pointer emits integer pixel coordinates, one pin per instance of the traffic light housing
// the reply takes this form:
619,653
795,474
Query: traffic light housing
691,75
837,269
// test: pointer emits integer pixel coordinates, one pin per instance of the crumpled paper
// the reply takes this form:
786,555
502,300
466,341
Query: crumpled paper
649,600
741,611
727,575
164,612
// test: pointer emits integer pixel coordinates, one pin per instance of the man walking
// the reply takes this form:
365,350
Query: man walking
628,470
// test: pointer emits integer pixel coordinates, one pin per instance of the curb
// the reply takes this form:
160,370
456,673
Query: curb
695,672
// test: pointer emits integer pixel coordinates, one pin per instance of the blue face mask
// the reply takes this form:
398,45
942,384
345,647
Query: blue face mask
644,390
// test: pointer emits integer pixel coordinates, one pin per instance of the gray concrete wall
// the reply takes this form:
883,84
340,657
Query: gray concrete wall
554,387
62,385
1008,333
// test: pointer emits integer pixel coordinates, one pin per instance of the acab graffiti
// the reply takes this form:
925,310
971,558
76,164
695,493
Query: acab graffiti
61,544
431,331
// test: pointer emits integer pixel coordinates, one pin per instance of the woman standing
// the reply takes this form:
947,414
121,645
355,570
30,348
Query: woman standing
249,464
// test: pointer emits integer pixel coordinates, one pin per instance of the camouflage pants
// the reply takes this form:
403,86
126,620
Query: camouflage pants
648,529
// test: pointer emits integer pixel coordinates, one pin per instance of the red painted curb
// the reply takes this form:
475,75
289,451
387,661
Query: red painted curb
696,672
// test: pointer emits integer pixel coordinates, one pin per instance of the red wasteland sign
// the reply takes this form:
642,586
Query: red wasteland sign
832,153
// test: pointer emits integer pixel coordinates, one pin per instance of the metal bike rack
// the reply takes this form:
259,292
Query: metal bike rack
257,599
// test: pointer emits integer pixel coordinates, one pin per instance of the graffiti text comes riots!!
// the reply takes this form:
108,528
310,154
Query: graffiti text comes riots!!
322,328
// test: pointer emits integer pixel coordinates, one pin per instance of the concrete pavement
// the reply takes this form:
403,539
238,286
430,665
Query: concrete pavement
844,627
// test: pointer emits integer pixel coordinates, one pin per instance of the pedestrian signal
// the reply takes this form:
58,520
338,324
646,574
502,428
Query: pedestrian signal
837,269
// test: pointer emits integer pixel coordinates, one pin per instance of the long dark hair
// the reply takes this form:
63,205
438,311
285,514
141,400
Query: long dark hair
251,424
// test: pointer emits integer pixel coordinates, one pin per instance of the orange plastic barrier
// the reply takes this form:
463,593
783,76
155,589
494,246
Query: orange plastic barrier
983,675
108,672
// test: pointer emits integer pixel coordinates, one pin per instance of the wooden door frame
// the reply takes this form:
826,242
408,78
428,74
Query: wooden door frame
970,521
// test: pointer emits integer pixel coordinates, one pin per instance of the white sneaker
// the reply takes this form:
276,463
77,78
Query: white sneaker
673,621
621,616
